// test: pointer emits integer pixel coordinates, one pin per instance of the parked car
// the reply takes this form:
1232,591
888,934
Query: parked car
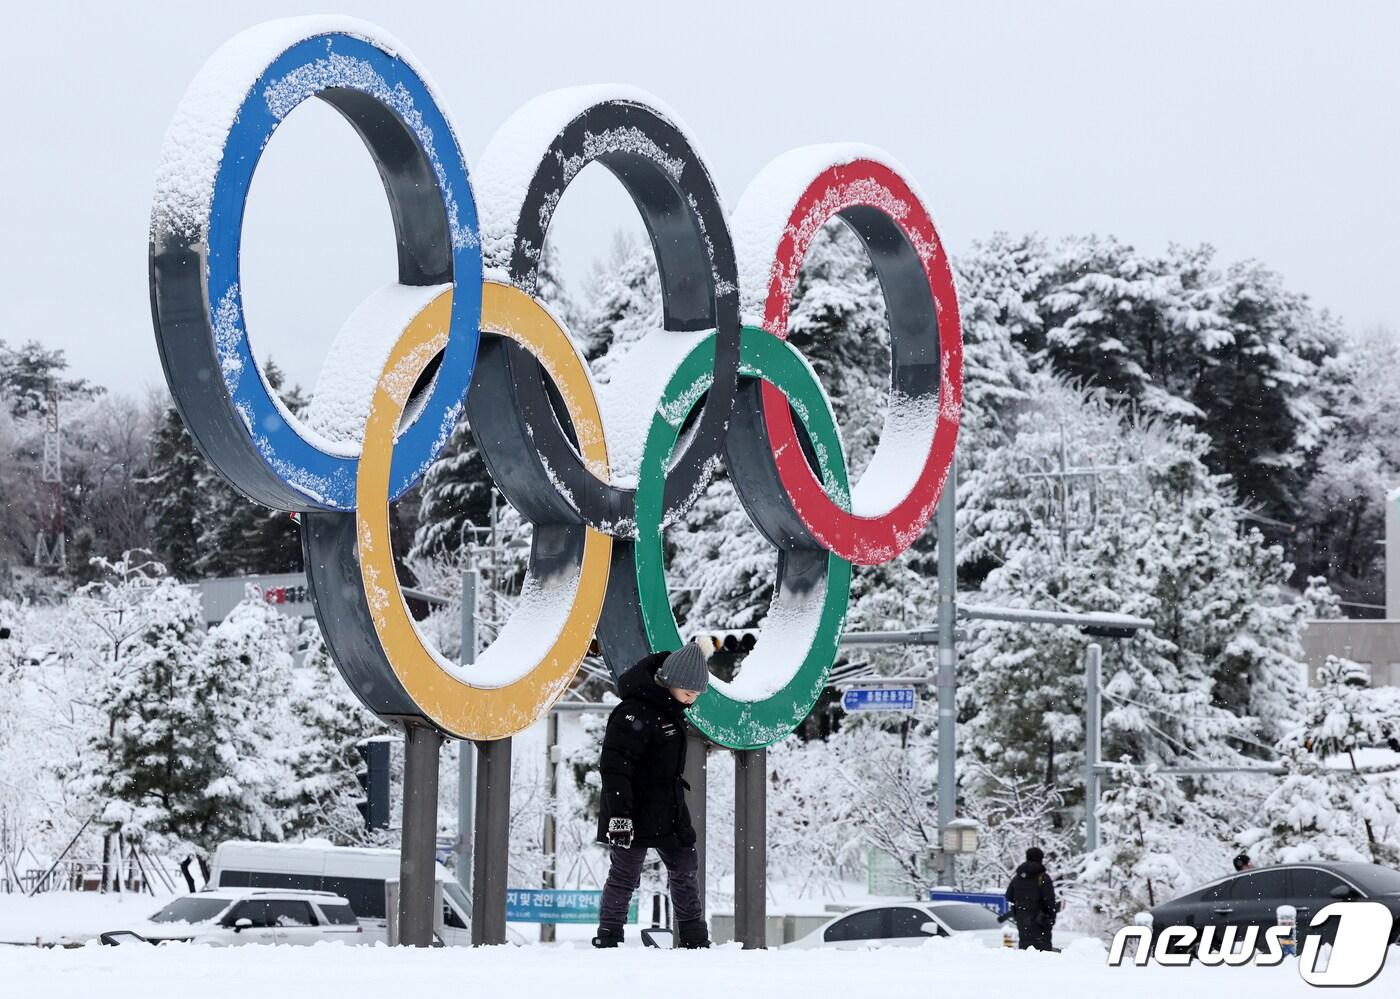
1252,897
231,917
909,924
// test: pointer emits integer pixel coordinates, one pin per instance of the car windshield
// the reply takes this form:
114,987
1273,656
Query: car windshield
191,910
965,916
459,897
1372,879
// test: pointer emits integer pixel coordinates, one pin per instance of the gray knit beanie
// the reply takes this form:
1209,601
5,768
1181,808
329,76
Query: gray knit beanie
688,667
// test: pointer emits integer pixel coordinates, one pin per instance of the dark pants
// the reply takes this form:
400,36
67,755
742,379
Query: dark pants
1033,931
625,874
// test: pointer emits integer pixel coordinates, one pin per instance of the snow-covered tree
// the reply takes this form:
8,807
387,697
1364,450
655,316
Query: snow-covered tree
29,370
201,525
622,304
324,790
1160,540
148,760
1306,816
1146,826
242,690
1012,814
172,488
1358,464
188,747
1000,282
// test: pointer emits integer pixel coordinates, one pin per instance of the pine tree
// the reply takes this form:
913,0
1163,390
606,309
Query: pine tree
1219,670
241,537
1229,352
201,525
149,759
1146,825
241,689
1307,816
190,752
1000,283
1352,474
623,304
323,787
1346,713
28,371
173,488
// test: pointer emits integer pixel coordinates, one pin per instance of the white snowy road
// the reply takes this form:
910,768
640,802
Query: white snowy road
940,968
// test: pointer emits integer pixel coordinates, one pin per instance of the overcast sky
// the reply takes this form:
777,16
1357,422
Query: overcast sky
1268,129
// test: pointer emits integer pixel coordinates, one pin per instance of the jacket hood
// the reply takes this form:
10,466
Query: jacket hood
640,682
1030,869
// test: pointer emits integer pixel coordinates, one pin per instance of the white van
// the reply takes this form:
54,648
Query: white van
357,874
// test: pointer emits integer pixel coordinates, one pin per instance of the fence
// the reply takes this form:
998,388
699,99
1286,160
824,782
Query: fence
139,874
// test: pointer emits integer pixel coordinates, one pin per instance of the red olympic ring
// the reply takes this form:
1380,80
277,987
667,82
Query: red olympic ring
865,539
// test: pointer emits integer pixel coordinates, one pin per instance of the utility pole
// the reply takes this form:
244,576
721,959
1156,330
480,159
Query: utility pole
1093,728
947,659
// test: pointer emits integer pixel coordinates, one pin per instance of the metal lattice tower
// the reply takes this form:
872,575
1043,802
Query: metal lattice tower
1069,517
49,549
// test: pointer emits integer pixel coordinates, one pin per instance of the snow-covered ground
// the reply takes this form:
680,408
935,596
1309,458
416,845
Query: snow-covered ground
943,968
946,967
52,916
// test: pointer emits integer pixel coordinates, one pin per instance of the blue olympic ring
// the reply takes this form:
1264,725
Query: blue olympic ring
317,64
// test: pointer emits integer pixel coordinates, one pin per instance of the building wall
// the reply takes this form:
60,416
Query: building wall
286,591
1373,644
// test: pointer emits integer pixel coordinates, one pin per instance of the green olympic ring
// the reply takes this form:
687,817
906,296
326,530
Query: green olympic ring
723,712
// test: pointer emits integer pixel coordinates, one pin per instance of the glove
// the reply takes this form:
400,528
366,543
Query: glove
620,832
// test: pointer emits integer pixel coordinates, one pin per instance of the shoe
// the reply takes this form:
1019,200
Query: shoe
608,936
692,934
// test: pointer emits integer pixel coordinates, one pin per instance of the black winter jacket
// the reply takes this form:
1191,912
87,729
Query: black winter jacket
1032,894
643,759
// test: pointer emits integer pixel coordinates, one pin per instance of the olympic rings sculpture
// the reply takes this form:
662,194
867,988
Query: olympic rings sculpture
600,472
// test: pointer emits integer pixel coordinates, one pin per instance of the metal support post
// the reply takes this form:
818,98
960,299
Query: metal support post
947,661
417,856
550,833
466,752
696,775
1093,750
751,847
491,858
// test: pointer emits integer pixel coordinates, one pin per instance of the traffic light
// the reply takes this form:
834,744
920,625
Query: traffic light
375,781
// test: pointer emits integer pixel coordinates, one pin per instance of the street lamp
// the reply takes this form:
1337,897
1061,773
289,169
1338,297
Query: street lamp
960,836
957,838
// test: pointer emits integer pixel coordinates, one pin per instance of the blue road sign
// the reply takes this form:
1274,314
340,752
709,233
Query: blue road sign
553,905
879,699
989,899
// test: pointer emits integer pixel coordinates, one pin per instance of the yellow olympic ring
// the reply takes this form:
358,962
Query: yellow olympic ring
489,699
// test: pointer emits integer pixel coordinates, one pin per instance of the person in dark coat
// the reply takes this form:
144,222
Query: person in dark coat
643,803
1032,897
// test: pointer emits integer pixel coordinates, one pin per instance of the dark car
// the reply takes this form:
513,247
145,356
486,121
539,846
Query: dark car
1252,897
